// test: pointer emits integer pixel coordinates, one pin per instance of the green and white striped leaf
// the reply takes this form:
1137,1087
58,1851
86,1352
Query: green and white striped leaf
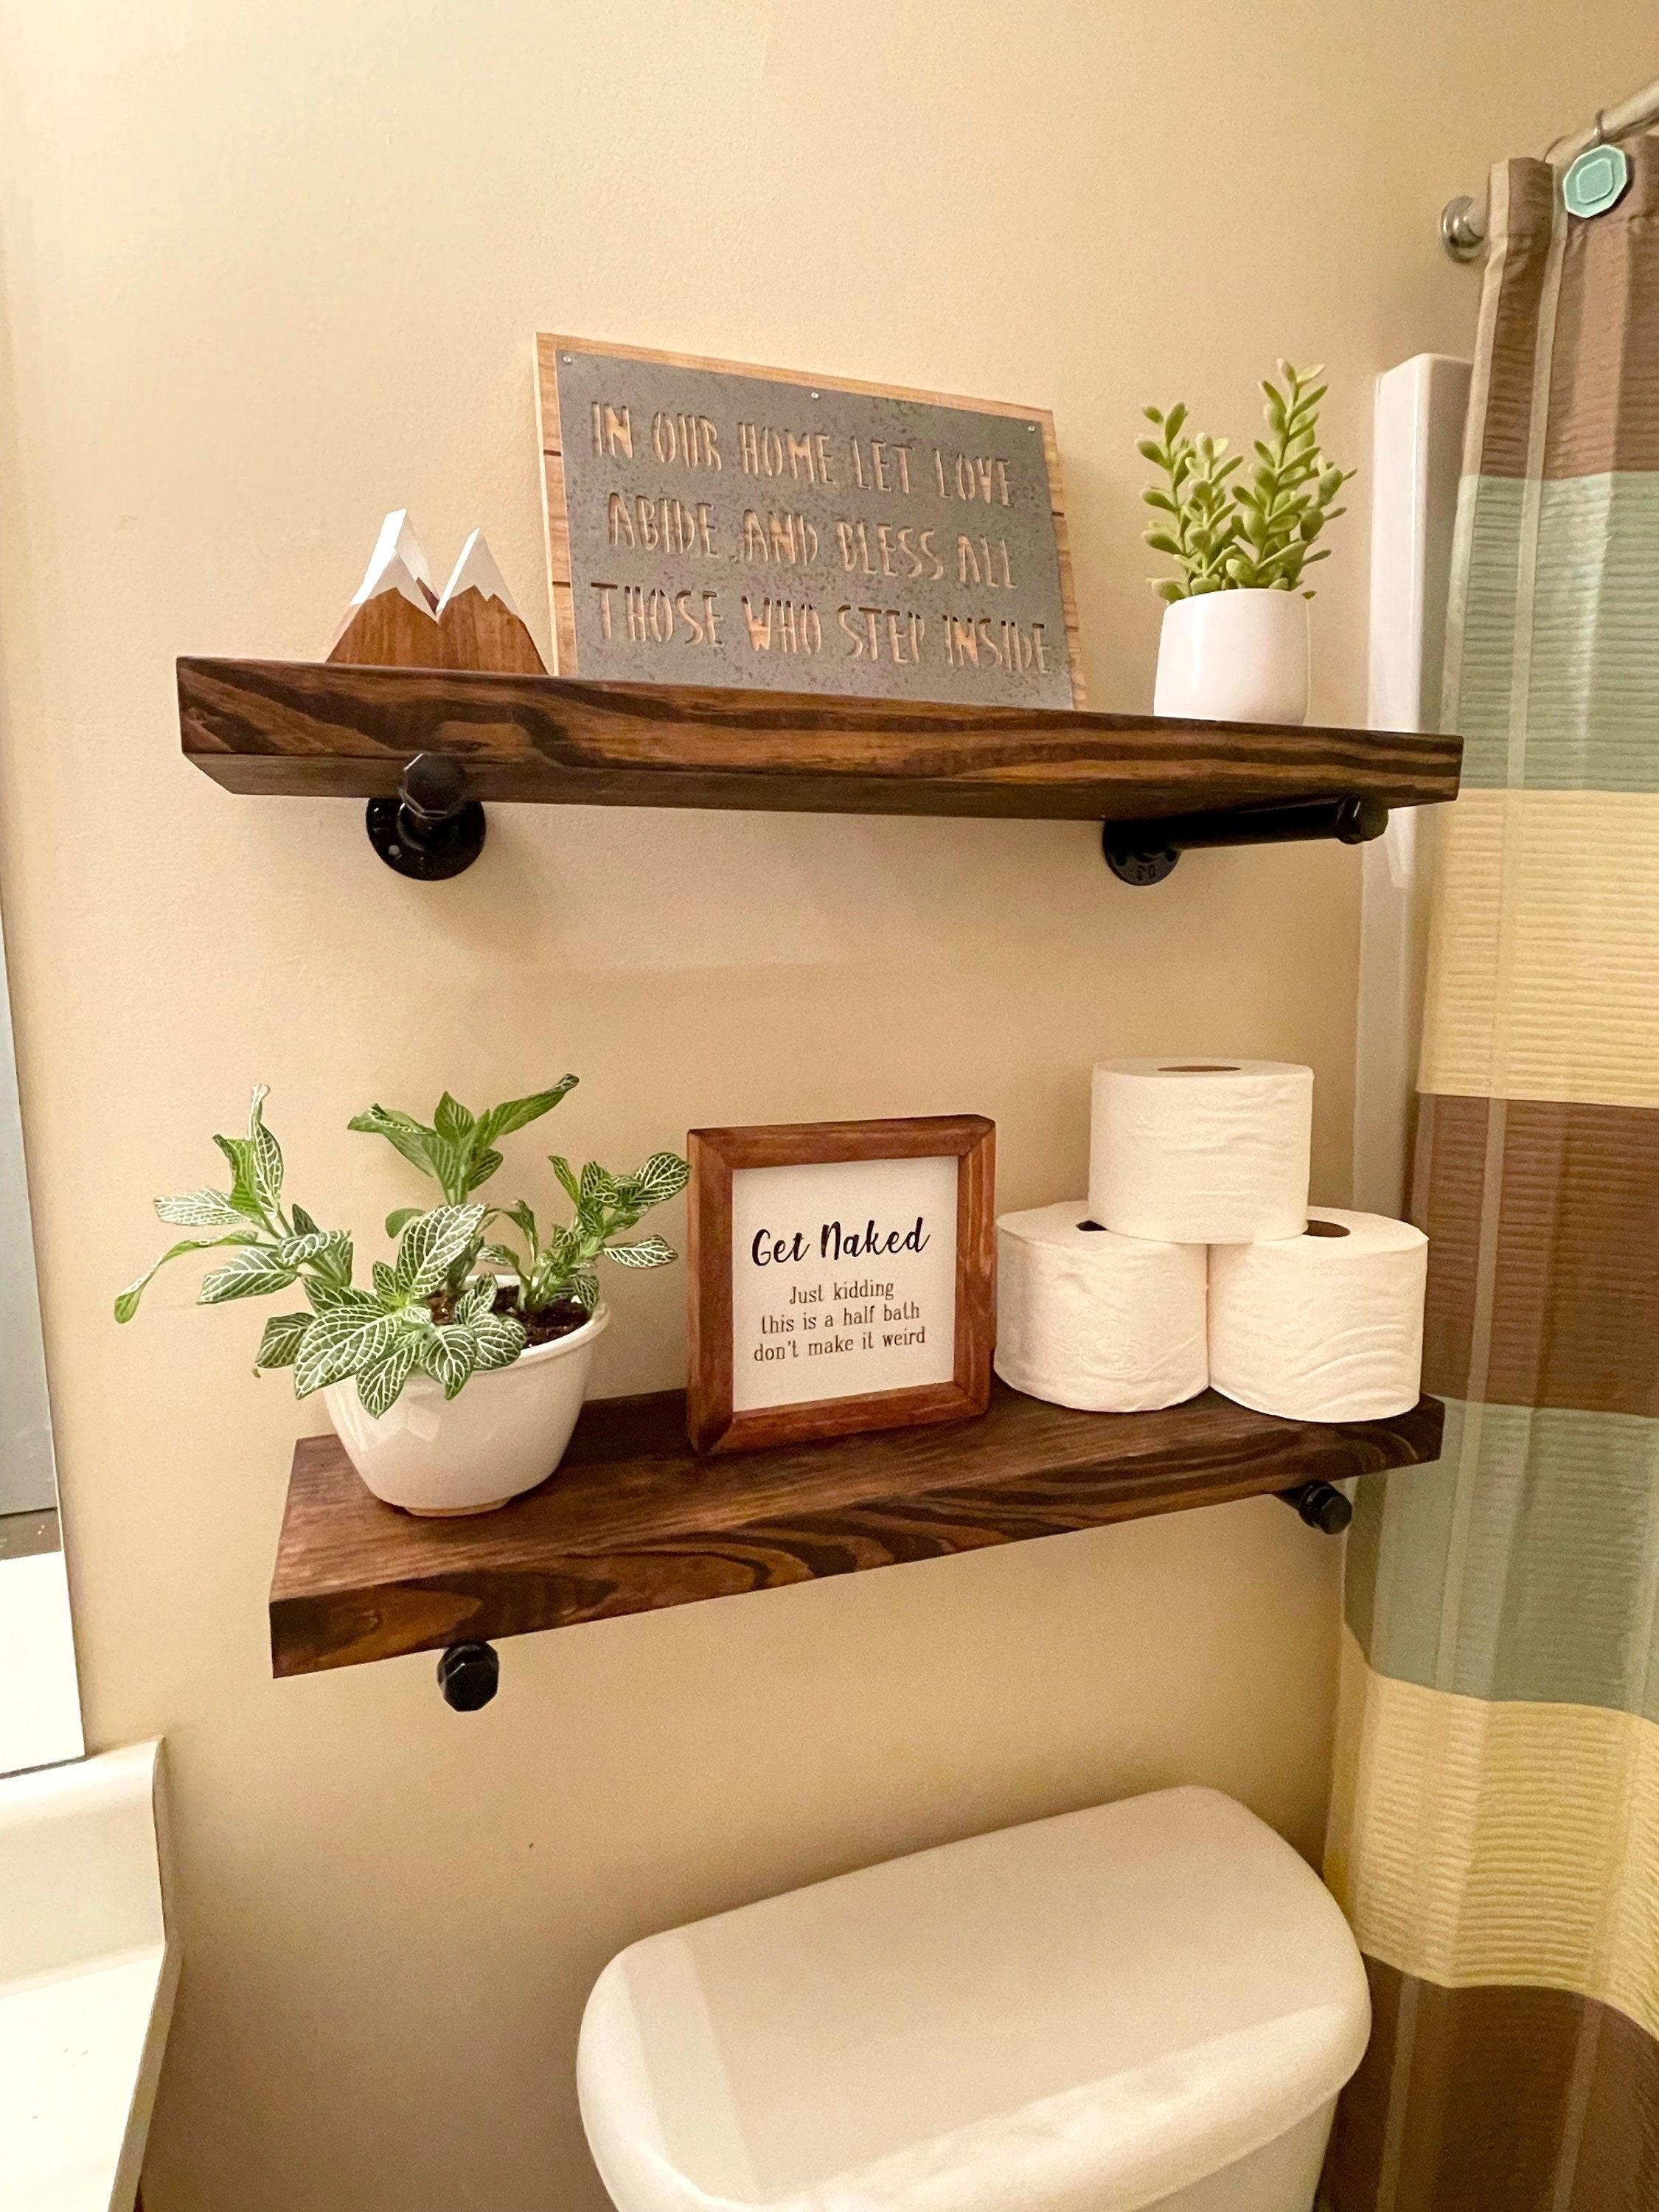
127,1304
303,1223
295,1251
566,1247
400,1219
449,1356
595,1184
500,1340
517,1113
482,1169
248,1275
563,1169
453,1120
520,1214
387,1289
265,1154
338,1343
585,1289
379,1384
650,1252
664,1176
200,1209
240,1153
284,1333
401,1131
450,1164
432,1244
334,1260
478,1300
328,1297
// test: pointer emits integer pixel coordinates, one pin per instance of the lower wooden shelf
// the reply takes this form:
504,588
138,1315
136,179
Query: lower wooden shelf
634,1520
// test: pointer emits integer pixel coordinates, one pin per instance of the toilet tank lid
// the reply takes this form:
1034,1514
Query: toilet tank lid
1097,2009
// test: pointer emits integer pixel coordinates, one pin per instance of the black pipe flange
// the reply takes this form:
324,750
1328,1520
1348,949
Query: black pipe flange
469,1675
1320,1504
431,831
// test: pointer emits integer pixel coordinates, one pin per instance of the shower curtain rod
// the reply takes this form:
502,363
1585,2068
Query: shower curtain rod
1463,220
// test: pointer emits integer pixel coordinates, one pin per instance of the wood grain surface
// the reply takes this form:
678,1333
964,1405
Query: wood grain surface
482,633
633,1520
389,631
317,729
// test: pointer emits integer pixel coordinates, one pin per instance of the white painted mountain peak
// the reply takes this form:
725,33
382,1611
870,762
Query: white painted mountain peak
476,570
398,564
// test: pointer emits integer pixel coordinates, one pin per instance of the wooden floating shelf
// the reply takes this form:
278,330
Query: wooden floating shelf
320,729
633,1520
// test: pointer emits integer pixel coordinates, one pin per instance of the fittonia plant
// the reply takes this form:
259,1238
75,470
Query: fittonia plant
440,1307
558,1265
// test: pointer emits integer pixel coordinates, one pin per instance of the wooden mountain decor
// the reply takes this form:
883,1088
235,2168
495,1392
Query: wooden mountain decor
392,621
398,621
479,620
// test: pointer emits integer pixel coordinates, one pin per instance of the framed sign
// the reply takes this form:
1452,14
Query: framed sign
841,1278
711,523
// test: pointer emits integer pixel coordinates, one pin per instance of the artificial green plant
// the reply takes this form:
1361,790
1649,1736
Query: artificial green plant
1257,534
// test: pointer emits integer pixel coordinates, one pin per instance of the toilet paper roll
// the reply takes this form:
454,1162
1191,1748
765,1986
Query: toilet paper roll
1199,1151
1109,1324
1323,1326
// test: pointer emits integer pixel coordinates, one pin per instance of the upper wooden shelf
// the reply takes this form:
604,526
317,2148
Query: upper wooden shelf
633,1520
322,729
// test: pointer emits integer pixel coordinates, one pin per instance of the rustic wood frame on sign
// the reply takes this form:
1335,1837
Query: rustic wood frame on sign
712,1423
547,347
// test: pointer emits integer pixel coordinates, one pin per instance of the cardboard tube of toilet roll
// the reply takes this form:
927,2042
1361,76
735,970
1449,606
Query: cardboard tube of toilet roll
1189,1152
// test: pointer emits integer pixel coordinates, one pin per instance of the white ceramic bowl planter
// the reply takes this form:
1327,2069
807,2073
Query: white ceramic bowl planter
1234,656
501,1436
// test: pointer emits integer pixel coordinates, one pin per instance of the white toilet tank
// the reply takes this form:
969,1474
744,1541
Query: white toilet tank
1151,2003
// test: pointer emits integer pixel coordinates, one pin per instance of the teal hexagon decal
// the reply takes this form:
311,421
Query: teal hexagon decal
1597,180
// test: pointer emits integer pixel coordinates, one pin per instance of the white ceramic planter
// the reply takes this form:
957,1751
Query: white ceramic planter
1234,657
504,1433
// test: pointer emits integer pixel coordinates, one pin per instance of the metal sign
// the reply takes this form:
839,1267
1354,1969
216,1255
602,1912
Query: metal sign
713,524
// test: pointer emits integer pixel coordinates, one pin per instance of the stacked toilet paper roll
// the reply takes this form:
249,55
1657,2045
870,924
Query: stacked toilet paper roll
1201,1151
1323,1326
1196,1259
1109,1324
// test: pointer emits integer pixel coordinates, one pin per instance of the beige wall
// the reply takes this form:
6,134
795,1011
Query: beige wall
271,269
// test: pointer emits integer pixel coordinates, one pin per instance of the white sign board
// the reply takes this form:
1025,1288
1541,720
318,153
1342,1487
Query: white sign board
843,1278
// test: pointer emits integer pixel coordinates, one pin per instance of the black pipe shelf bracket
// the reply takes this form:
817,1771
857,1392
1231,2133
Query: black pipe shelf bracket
468,1675
431,831
1146,852
1320,1504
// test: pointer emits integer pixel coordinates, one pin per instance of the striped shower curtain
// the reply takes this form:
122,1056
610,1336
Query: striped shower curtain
1495,1835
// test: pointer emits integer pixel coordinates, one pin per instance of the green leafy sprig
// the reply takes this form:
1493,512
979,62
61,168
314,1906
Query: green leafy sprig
432,1310
1253,534
457,1149
561,1263
427,1312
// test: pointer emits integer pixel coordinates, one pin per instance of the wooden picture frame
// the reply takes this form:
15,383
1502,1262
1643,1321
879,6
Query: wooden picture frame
718,1419
553,433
